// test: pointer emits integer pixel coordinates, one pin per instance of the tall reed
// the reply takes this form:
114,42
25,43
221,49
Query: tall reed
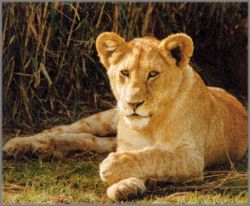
51,72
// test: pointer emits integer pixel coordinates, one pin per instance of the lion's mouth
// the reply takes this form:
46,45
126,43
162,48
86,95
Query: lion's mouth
135,116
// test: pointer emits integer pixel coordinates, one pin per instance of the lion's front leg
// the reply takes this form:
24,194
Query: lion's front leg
57,145
57,141
156,163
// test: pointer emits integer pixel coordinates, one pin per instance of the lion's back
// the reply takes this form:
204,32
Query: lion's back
234,122
228,99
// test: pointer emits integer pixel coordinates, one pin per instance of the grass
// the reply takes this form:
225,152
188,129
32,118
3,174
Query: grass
76,180
73,180
199,198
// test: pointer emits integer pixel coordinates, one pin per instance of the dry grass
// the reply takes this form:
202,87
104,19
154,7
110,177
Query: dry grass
51,72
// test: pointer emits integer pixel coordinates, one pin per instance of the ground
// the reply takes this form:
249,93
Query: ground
76,180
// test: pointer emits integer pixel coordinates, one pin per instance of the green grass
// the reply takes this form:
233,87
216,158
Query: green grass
76,180
199,198
73,180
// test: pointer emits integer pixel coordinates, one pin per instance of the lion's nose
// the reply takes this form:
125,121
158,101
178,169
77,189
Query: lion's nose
134,105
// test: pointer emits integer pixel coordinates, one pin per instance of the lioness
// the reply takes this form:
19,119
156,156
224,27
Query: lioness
169,124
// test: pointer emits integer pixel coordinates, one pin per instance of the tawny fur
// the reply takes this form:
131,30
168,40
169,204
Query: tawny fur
181,126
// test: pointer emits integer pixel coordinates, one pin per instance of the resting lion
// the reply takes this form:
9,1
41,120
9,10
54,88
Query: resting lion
169,124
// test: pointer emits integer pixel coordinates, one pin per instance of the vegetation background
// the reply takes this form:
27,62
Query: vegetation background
51,71
52,75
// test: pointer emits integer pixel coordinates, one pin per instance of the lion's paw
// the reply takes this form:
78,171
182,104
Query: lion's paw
119,166
19,147
16,147
127,189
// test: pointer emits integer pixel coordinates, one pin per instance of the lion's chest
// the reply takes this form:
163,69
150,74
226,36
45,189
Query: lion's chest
128,142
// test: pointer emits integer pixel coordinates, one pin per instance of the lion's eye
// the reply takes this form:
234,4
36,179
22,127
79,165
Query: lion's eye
125,73
153,74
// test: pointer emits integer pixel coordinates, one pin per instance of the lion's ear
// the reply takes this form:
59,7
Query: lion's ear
179,47
106,44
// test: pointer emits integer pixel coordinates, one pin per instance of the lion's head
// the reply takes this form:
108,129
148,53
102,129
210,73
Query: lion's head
144,74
